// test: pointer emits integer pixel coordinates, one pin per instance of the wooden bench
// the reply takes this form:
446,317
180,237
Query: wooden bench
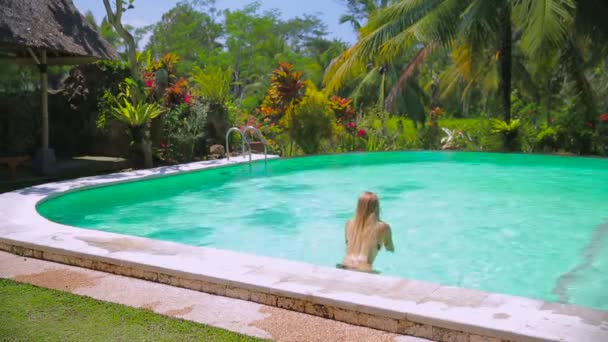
12,163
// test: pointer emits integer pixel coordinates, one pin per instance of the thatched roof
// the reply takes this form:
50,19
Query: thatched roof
52,25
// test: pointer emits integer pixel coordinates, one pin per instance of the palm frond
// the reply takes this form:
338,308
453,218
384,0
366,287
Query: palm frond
573,65
411,68
543,21
393,31
369,80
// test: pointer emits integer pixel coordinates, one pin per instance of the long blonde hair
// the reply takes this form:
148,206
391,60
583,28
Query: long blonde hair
363,225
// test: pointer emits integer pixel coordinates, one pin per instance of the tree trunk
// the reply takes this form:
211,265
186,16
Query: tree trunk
548,106
138,134
505,60
115,18
146,150
382,70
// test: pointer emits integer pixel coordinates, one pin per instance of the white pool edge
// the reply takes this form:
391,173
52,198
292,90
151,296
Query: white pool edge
397,305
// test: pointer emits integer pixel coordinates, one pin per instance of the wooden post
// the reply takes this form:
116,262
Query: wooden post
44,84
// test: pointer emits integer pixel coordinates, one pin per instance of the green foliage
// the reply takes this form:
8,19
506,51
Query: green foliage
200,29
546,139
183,127
509,132
479,130
574,133
429,135
212,83
310,121
600,136
556,44
127,108
502,127
385,132
455,140
411,57
377,130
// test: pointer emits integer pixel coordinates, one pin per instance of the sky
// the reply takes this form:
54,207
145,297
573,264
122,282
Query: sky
148,12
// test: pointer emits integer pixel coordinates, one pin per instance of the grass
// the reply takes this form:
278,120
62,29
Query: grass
30,313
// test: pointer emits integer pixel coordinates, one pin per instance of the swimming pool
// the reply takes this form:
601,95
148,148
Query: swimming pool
524,225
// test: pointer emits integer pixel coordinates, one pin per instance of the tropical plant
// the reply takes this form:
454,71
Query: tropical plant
184,127
455,139
126,107
479,130
212,84
375,130
310,120
187,32
508,130
503,127
546,139
129,107
287,86
483,33
359,11
135,115
600,136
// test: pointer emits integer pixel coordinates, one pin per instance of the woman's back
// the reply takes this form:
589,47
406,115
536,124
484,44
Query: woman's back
366,234
362,255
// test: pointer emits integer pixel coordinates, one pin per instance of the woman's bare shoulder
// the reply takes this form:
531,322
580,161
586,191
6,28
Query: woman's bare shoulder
383,226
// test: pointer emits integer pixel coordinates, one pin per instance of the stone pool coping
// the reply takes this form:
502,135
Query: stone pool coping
410,307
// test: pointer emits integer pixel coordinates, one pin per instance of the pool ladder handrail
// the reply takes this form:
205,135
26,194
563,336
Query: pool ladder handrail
245,141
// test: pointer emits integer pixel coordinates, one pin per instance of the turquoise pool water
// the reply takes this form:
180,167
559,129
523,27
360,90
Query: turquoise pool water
527,225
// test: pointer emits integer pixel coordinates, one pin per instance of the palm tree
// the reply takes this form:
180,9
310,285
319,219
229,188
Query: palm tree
369,90
361,10
486,30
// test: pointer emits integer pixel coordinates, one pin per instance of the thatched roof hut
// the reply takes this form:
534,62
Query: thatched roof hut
48,32
55,26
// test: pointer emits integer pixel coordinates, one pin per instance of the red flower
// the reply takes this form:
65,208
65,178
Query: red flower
604,117
589,124
351,125
149,83
163,145
187,98
361,133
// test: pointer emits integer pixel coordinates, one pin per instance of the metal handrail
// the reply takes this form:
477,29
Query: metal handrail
260,136
243,142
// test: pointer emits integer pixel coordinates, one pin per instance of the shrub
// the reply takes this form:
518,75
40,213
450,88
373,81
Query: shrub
310,121
128,107
183,129
600,136
478,130
384,132
546,139
212,84
508,131
455,139
429,135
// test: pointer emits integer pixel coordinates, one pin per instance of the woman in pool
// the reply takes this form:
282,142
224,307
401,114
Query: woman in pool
366,234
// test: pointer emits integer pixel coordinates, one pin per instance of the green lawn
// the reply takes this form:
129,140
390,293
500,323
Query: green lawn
30,313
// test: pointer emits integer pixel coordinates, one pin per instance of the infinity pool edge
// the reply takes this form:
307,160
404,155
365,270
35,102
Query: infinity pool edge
397,305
